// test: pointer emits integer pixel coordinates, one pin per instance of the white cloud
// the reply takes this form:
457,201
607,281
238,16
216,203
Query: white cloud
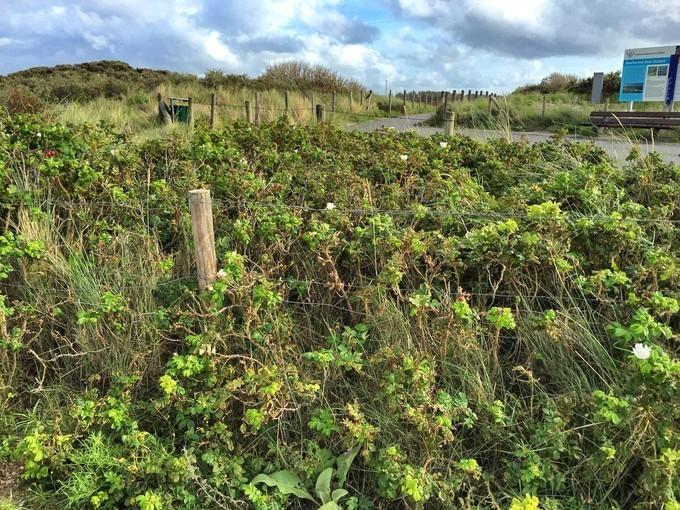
4,41
216,49
98,42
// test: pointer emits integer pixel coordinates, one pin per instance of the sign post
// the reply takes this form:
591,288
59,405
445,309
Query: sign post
596,94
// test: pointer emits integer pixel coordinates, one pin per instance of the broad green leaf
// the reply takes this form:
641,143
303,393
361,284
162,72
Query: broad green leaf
338,494
286,482
344,462
323,485
331,505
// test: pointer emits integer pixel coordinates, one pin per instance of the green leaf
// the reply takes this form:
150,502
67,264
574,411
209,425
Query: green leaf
331,505
344,462
286,482
323,485
338,494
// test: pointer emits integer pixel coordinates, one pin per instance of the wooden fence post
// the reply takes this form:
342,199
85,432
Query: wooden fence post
361,98
163,111
285,101
350,101
320,113
469,95
389,102
543,110
257,108
200,207
449,119
249,114
190,113
404,98
213,110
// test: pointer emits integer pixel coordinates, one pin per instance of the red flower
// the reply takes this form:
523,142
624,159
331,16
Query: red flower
50,153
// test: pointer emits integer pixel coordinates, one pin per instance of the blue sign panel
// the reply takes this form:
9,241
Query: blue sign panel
649,74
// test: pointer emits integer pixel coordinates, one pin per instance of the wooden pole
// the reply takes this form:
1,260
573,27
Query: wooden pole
213,110
449,119
543,109
469,95
446,100
334,103
285,101
404,98
350,101
257,108
361,98
249,113
163,111
200,207
389,102
320,114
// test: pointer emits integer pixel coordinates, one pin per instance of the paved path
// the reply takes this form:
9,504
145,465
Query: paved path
617,147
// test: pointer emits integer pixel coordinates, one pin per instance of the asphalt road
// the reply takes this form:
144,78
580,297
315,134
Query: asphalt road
616,147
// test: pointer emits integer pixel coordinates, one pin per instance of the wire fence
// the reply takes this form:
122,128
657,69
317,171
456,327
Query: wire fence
419,211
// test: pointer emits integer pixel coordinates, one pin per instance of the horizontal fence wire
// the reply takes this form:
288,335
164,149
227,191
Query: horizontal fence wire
429,210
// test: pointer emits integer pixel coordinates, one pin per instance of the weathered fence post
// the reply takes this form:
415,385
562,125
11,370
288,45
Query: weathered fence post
190,112
361,98
543,109
350,101
389,102
163,111
200,207
320,114
213,110
285,101
469,95
249,113
404,98
449,119
257,108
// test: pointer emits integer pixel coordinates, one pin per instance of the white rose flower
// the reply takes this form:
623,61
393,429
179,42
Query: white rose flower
642,351
403,157
330,206
443,145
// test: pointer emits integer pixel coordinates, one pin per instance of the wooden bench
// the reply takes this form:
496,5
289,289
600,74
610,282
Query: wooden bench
649,120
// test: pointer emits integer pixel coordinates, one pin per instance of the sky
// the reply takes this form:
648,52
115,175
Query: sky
494,45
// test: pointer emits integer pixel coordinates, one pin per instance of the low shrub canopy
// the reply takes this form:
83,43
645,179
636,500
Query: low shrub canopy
484,325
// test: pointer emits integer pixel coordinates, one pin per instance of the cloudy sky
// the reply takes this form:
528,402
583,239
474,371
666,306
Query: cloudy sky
435,44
